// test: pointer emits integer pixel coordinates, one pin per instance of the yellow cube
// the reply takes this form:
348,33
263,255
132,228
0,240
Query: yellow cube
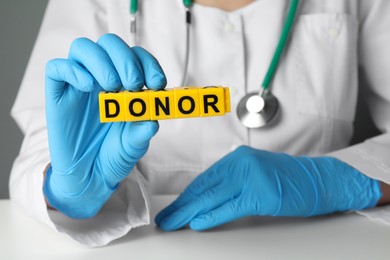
136,105
212,101
162,104
186,102
111,107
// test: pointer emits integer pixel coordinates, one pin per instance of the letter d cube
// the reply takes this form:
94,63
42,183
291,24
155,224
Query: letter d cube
111,107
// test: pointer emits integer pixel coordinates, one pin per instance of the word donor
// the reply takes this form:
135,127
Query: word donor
180,102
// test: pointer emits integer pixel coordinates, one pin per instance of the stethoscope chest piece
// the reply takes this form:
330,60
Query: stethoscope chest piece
256,110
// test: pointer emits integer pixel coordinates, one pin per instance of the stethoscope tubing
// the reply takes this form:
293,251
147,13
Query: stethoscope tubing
133,32
286,31
267,110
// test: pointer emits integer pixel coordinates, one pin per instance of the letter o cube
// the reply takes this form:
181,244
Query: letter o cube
137,105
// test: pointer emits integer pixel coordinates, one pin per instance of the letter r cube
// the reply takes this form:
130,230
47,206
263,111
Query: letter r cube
212,101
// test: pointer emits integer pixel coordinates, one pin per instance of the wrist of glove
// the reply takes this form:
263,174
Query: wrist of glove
254,182
77,205
74,203
331,186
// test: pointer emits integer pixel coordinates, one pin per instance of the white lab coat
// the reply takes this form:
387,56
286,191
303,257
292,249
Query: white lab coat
334,46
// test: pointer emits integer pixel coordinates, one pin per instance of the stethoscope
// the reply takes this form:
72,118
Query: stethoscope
256,109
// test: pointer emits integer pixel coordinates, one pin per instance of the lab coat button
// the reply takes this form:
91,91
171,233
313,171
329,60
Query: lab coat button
229,27
333,32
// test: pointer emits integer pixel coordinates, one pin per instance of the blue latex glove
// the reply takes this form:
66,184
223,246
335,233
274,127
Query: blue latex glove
90,159
251,182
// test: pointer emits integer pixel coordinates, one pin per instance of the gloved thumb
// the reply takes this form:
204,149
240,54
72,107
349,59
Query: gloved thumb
137,135
124,146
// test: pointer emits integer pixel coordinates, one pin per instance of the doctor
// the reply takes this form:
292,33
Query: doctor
92,181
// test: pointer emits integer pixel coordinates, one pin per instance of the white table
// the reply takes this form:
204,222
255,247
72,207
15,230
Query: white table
344,236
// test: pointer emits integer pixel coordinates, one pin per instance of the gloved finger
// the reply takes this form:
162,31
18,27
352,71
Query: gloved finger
205,202
200,184
154,74
124,145
59,72
226,213
125,61
97,62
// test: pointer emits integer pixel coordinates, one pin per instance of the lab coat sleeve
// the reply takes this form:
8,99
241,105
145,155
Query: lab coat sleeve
372,157
128,207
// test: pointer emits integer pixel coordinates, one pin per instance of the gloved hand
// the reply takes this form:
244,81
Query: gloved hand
254,182
90,159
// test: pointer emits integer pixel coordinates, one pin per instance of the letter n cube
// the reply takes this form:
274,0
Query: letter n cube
162,104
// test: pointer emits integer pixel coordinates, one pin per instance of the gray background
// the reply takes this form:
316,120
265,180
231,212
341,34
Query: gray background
19,25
